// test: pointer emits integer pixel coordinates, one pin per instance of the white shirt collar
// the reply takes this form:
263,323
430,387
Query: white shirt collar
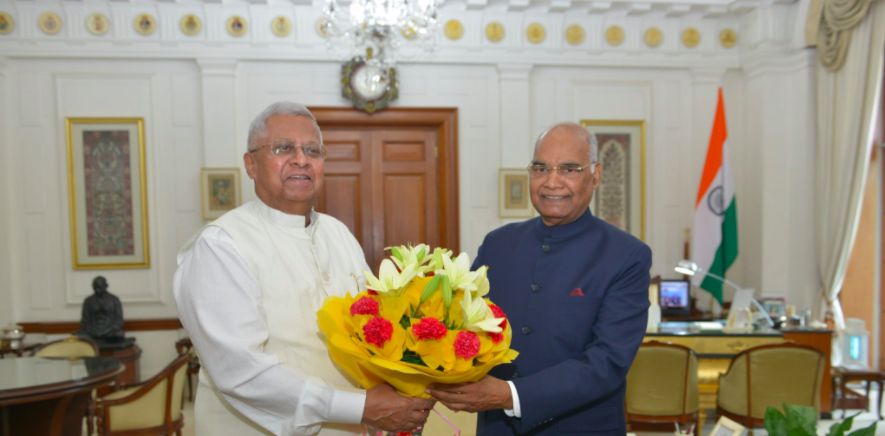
284,219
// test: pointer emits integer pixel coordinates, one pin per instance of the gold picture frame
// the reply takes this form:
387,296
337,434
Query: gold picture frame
514,197
107,193
622,155
220,191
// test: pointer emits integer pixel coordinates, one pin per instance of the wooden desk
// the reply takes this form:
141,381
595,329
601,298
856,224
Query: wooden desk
716,349
42,396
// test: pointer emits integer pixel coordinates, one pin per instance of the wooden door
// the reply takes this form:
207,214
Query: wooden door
388,184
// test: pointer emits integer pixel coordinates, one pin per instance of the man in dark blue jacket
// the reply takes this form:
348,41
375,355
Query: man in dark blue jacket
575,291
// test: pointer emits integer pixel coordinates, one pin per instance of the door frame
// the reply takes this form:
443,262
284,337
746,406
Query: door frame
445,121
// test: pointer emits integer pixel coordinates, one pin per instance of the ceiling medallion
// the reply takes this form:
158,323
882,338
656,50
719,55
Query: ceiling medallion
495,31
191,24
50,23
574,34
653,37
281,26
691,37
145,24
535,33
454,30
728,38
6,23
393,30
236,26
365,86
97,23
614,35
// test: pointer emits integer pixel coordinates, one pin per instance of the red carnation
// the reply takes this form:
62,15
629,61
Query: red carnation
378,331
499,314
364,306
429,328
496,337
467,345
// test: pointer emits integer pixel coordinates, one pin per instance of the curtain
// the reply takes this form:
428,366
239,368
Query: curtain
847,101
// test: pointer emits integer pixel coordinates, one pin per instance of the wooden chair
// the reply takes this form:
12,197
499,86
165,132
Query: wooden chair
193,367
662,386
770,375
149,408
71,346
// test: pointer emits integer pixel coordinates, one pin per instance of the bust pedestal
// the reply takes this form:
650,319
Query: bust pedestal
128,356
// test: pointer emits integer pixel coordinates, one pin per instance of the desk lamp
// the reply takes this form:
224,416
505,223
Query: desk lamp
690,268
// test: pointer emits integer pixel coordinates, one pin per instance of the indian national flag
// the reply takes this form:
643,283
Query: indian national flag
714,236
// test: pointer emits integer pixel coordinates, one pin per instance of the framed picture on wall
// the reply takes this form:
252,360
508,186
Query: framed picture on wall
513,193
221,192
620,197
727,427
107,185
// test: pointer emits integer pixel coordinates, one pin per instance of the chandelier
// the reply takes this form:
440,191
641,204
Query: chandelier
383,31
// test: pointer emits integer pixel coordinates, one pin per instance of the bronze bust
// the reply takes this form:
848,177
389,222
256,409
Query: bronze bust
102,318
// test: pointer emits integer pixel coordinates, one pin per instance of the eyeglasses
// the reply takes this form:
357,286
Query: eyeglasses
286,147
568,171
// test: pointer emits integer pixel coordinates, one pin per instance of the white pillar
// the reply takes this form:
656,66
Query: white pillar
6,230
516,143
781,140
219,113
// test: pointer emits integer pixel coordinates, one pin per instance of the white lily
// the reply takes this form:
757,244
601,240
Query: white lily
482,282
390,282
406,255
478,316
458,271
436,260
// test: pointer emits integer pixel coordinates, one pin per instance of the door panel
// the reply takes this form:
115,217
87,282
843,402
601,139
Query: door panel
405,209
341,198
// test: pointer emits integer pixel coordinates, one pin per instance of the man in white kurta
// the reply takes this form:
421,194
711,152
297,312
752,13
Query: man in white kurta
248,288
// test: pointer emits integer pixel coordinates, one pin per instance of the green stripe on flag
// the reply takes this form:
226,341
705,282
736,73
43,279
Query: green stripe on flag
725,253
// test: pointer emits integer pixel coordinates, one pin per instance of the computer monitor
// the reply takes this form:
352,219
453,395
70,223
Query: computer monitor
674,299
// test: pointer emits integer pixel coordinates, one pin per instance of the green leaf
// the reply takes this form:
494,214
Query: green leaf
801,417
446,291
405,322
430,288
410,356
840,428
869,431
775,422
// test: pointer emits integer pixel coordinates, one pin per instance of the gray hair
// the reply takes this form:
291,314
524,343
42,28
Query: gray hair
258,128
585,135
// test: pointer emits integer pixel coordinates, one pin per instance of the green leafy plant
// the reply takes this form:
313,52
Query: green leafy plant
802,421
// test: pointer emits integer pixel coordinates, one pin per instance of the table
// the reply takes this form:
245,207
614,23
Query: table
48,396
846,398
129,357
715,350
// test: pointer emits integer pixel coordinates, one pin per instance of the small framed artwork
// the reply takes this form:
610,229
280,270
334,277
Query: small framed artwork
221,192
727,427
776,306
513,193
620,197
107,185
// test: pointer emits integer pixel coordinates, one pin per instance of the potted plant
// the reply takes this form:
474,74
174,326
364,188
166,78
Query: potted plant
802,421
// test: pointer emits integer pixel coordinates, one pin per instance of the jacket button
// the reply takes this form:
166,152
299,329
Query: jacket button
545,248
536,287
526,330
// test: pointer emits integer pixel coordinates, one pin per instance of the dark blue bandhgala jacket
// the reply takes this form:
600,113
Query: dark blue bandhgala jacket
574,351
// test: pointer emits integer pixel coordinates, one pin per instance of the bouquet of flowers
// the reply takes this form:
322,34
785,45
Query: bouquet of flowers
423,320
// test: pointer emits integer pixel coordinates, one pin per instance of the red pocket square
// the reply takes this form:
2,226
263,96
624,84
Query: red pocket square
577,293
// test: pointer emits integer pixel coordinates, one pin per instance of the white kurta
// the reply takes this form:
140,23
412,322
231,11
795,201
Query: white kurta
248,287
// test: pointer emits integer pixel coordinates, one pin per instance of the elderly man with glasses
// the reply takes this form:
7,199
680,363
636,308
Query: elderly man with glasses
575,291
248,288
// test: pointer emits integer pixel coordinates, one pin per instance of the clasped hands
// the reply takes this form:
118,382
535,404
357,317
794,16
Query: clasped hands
386,410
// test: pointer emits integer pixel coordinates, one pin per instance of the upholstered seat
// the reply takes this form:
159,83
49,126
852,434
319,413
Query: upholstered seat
152,407
770,375
72,346
662,385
